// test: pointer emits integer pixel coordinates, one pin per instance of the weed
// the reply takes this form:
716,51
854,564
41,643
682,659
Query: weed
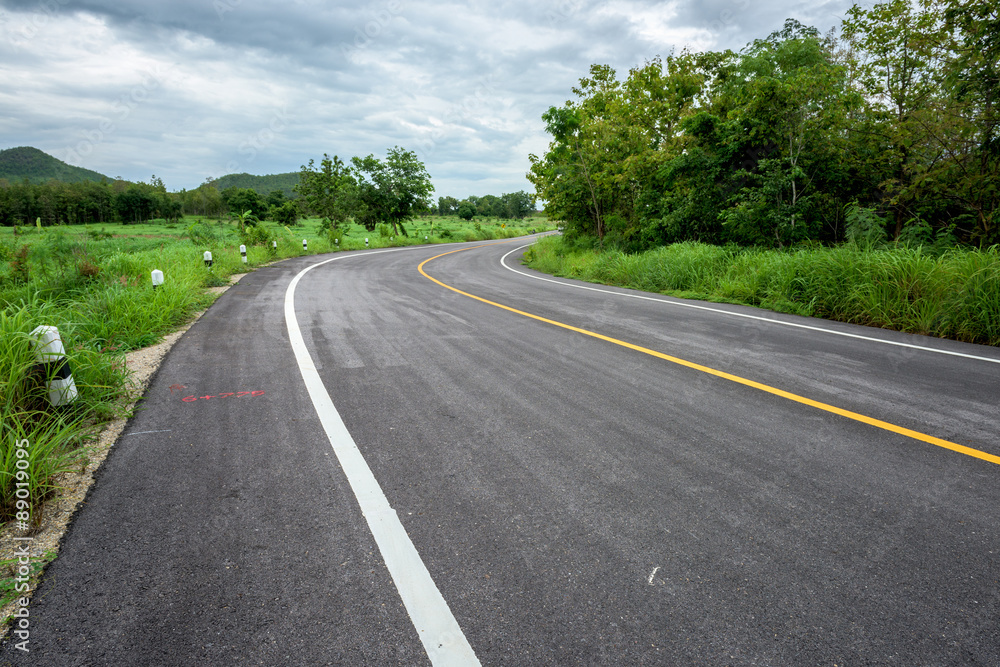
11,568
99,234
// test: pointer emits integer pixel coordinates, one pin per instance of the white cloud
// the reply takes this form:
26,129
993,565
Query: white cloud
186,90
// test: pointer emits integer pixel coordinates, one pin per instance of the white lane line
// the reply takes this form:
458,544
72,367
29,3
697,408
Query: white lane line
165,430
439,632
671,302
653,574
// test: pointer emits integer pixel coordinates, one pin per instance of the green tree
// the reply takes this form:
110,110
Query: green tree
388,191
287,214
609,143
516,205
489,206
276,198
897,46
245,219
134,204
447,205
466,210
238,200
328,191
789,104
204,200
971,131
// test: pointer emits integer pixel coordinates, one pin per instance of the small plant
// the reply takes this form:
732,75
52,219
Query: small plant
256,235
19,264
99,234
87,270
9,570
336,237
246,219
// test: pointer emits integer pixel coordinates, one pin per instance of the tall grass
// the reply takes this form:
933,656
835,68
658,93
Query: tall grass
55,436
951,295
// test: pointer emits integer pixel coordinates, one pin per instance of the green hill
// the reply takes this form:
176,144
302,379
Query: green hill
264,185
25,162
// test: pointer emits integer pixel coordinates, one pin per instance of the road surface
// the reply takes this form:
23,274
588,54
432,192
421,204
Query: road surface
551,472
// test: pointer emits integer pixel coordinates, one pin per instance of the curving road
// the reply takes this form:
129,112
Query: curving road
388,460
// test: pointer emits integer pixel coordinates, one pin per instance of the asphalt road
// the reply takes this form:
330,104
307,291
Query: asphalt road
573,500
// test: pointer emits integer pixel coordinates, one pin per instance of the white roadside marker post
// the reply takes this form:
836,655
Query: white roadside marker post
305,245
208,259
157,277
51,358
274,244
243,253
366,241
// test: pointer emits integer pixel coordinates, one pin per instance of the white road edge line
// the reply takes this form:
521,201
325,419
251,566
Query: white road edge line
744,315
437,628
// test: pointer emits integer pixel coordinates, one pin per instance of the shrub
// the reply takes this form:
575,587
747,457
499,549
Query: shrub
256,235
286,214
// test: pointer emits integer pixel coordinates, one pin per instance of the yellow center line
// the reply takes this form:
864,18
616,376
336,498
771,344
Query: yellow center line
878,423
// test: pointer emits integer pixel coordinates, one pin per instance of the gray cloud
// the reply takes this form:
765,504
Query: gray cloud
197,88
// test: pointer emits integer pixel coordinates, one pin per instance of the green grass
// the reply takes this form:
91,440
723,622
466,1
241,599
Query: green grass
955,294
93,283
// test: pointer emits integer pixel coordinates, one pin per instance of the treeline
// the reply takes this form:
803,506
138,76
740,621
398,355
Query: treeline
889,132
510,206
334,191
87,202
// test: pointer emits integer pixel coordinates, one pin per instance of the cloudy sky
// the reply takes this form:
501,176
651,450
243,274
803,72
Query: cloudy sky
192,89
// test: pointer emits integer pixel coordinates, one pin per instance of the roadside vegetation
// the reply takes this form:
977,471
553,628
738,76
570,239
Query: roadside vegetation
952,293
851,175
891,121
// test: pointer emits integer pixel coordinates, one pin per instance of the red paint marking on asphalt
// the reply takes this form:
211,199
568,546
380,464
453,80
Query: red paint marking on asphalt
239,394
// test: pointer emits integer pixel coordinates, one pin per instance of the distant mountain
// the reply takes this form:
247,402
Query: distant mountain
25,162
264,185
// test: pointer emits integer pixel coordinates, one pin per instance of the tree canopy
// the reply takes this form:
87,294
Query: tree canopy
328,190
779,143
389,191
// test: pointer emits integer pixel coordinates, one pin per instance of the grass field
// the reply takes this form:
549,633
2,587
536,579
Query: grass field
93,283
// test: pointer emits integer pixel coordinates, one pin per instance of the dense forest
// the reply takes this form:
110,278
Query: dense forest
888,131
